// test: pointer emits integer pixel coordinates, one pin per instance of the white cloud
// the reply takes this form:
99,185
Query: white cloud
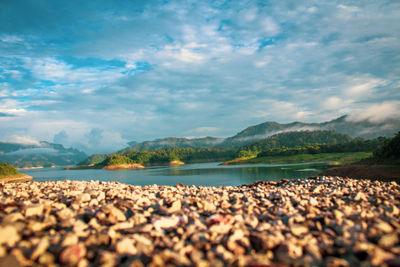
6,38
26,140
270,26
377,112
203,130
362,87
184,54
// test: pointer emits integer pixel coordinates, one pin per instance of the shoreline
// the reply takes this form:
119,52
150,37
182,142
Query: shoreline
130,166
316,221
364,171
14,178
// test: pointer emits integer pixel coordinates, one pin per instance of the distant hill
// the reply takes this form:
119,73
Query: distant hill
44,154
173,142
364,129
93,160
297,139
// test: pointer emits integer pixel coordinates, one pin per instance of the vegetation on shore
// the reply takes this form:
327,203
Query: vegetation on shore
303,142
334,158
288,147
354,150
8,172
384,163
173,156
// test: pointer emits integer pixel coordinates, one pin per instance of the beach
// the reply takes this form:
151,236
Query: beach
318,221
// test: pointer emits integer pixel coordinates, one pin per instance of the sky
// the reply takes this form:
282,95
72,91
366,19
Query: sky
95,75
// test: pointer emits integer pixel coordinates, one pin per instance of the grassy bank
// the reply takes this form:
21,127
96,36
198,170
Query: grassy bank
9,173
337,158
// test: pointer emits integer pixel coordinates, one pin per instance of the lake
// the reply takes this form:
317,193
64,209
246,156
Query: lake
199,174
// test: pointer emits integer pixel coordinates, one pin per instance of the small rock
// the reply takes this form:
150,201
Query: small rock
46,259
313,201
34,210
65,213
298,229
289,249
69,240
40,248
9,235
114,214
166,222
379,256
233,246
125,246
72,254
175,206
85,197
388,240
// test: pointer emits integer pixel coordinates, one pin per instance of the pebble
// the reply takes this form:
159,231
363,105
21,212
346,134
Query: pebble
9,235
321,221
34,210
125,246
72,254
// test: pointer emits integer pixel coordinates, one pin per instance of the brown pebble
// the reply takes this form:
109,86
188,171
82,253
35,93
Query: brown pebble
72,254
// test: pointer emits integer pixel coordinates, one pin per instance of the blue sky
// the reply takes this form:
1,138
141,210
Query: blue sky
97,74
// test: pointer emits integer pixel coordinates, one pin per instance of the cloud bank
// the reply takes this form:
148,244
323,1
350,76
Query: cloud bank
142,70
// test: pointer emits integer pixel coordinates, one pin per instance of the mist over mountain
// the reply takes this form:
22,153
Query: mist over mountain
43,154
344,124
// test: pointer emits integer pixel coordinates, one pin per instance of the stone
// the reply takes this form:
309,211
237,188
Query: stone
72,254
64,214
175,206
166,222
298,229
40,248
82,198
12,217
125,246
114,214
69,240
388,240
34,210
9,235
232,244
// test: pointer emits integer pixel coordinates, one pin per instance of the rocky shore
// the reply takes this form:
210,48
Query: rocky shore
323,221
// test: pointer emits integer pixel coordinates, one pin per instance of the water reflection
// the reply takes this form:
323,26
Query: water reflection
204,174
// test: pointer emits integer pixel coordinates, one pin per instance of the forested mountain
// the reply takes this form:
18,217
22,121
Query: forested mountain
364,129
40,155
160,156
173,142
294,139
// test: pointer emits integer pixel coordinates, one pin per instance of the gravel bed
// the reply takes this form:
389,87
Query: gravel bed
320,221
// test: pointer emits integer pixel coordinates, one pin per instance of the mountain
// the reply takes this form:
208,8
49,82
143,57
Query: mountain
298,139
364,128
173,142
43,154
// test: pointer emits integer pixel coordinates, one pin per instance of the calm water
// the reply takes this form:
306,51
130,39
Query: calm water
204,174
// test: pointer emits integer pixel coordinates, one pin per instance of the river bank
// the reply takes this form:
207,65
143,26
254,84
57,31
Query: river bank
366,171
318,221
335,158
13,178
